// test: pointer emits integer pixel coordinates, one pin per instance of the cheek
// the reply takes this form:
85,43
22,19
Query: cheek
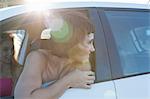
85,48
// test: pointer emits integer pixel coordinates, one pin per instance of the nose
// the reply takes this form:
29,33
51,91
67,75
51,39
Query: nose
92,49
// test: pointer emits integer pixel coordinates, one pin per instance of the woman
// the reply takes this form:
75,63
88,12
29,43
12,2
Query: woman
56,64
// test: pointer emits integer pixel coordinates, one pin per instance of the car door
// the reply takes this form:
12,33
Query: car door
129,51
103,87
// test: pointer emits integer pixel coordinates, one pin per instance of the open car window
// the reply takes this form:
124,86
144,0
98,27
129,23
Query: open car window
25,32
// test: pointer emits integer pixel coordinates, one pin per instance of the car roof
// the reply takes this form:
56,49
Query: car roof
20,9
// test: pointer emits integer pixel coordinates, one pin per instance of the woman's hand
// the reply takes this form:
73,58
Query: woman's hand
80,79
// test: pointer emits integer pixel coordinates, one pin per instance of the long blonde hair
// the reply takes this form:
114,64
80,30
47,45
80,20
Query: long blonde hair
80,26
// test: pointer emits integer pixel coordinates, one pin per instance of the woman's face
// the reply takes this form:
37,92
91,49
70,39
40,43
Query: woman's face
86,47
82,50
88,43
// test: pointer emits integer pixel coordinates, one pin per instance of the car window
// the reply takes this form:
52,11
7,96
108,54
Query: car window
32,24
131,31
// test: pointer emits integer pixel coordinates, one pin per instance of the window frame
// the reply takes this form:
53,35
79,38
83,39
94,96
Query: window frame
103,72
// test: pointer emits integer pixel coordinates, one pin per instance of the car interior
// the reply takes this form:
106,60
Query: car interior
19,36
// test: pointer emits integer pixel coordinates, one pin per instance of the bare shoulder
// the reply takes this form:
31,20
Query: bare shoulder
36,58
36,55
31,74
34,66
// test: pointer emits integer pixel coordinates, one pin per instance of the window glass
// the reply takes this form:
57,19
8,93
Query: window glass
131,31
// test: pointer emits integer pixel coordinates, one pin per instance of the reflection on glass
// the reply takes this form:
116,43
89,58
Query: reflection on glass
131,31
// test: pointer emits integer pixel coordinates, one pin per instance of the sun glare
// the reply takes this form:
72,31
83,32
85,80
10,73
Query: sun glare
36,5
37,1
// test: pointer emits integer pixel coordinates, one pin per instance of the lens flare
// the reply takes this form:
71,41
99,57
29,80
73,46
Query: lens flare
63,34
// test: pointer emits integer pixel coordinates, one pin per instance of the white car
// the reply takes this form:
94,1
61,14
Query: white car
122,42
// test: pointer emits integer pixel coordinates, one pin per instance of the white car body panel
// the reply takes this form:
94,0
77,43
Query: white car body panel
103,90
137,87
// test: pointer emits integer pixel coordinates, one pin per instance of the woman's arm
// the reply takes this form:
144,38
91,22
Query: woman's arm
30,81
